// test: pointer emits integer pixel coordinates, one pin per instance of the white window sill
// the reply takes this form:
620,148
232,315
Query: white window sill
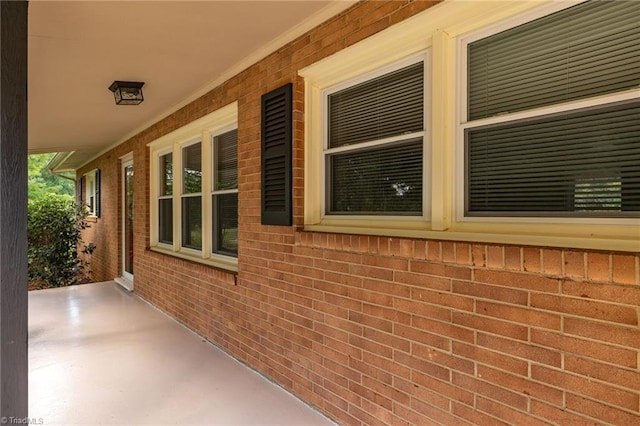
627,243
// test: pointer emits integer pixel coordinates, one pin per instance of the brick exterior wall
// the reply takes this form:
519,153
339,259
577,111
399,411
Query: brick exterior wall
379,330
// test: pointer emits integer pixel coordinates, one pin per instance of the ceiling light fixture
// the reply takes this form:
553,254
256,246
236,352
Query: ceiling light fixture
127,92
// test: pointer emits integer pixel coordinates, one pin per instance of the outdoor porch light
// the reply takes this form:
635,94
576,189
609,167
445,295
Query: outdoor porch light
127,92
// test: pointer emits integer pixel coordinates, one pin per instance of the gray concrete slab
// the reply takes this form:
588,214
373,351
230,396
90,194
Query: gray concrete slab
99,355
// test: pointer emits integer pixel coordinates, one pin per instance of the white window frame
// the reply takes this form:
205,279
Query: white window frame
183,195
425,134
571,106
90,192
213,192
201,130
159,154
443,30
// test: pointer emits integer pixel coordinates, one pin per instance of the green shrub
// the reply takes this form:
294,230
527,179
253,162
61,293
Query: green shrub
54,230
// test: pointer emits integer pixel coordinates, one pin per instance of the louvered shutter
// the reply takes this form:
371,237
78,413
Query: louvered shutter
586,50
276,131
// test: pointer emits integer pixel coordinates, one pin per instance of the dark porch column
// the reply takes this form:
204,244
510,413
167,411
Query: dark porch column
13,209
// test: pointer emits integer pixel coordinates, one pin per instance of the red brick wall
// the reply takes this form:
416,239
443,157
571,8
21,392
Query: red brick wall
378,330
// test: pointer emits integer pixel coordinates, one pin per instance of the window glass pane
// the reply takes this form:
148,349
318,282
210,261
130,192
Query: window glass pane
390,105
166,174
90,193
192,222
382,180
586,163
165,220
587,50
128,219
225,151
192,169
225,219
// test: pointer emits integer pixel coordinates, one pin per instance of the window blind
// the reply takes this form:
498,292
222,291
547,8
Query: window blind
226,155
192,169
192,222
586,50
165,220
585,163
225,233
383,180
97,183
390,105
166,174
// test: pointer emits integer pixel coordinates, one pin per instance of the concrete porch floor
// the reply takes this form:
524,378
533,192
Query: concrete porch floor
101,355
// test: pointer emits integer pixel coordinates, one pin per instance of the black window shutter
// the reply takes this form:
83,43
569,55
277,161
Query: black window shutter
276,147
97,201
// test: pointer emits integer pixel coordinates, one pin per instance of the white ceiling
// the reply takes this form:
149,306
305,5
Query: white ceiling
179,49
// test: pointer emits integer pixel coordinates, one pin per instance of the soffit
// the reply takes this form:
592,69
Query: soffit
180,49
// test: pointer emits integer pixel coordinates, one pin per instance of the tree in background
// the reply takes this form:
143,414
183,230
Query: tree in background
54,227
42,182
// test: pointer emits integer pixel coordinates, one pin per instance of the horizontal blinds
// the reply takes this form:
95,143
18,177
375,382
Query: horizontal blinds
586,50
226,224
192,169
582,163
386,106
379,181
166,174
97,183
192,222
165,220
226,156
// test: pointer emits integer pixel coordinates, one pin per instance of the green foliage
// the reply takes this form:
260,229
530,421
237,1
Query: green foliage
54,230
42,182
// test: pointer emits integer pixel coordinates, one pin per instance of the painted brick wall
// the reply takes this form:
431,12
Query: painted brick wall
378,330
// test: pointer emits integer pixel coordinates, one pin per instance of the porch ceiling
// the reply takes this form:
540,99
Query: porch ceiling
180,49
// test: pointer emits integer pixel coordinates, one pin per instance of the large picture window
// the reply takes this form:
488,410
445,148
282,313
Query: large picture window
195,178
547,132
375,143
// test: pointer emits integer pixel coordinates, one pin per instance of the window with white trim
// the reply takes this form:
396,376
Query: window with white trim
553,118
165,198
191,196
90,187
194,210
91,196
224,196
374,153
530,127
